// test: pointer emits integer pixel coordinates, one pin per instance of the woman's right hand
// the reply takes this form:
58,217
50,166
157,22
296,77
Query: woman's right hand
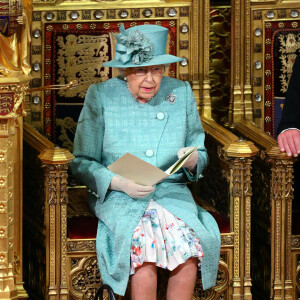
129,187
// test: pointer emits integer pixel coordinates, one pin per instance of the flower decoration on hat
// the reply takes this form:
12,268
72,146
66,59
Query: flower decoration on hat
133,46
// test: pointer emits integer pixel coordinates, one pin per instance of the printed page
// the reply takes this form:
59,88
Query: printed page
178,164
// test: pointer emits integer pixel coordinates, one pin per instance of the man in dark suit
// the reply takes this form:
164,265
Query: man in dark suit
289,127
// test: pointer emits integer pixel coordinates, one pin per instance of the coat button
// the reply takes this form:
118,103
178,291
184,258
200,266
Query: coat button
149,153
160,116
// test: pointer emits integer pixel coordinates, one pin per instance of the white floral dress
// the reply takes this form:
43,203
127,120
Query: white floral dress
162,238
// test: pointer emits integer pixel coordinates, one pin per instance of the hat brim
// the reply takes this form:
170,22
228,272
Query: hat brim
156,60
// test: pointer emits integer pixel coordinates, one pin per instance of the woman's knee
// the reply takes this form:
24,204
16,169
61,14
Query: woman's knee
146,269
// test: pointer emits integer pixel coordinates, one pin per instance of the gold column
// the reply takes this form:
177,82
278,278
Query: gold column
206,111
12,98
240,106
247,55
240,154
200,53
281,196
55,161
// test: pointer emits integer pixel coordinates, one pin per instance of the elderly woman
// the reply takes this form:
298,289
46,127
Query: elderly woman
154,118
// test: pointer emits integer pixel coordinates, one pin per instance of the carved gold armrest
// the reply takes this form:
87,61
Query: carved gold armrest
55,162
280,203
238,155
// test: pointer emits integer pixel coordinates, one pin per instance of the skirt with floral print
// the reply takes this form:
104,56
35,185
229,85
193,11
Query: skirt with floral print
162,238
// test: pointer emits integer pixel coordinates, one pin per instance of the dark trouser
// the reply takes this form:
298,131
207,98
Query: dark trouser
296,203
296,200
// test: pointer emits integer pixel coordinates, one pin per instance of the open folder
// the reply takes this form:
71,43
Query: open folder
141,172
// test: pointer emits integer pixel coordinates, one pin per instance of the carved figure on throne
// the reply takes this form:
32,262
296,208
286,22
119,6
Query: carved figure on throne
15,38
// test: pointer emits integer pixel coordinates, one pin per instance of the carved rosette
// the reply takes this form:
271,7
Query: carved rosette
227,239
295,242
85,279
217,291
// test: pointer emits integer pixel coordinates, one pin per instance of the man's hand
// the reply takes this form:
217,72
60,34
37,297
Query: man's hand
129,187
289,142
192,160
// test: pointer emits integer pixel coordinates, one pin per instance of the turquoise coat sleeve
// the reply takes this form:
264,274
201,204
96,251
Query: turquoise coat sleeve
87,165
195,135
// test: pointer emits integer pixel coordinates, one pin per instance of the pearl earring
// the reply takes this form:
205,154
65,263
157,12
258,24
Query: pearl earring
125,78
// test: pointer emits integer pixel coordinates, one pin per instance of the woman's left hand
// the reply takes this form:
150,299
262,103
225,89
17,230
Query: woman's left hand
192,160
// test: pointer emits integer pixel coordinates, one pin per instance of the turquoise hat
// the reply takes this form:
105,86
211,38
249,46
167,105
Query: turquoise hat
143,45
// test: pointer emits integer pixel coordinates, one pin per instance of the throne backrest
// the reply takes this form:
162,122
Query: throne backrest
73,44
276,43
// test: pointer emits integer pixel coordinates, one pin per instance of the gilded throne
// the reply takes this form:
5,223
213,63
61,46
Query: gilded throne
59,260
59,237
273,46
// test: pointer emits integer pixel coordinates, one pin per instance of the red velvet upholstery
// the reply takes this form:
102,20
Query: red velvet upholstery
222,221
82,227
85,227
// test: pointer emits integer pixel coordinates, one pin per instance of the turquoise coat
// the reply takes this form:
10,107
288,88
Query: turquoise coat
112,123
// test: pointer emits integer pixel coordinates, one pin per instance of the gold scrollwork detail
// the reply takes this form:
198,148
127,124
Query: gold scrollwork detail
3,207
296,242
268,104
236,178
222,277
17,264
222,283
227,240
268,41
172,23
85,279
268,25
3,155
49,28
298,276
63,187
51,179
2,182
74,246
3,257
10,167
11,97
3,232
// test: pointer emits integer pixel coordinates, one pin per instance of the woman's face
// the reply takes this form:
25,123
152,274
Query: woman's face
144,82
